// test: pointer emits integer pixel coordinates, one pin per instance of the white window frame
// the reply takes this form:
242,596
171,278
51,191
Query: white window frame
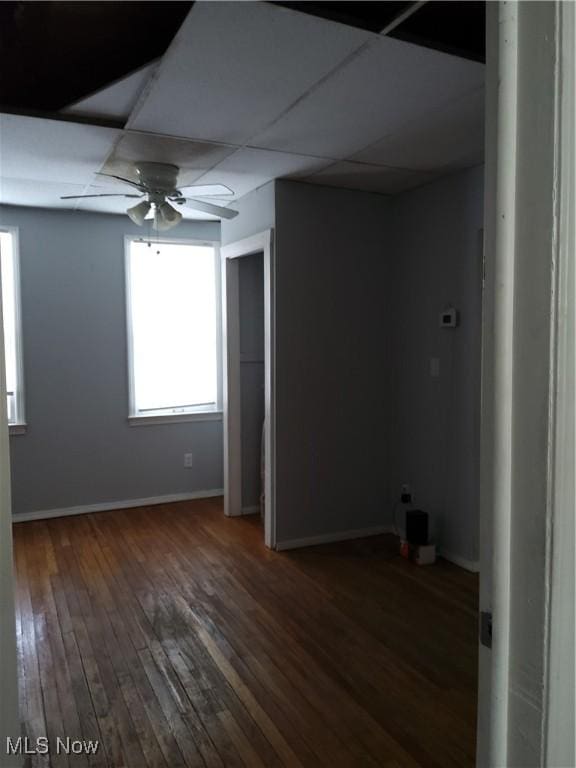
201,413
17,427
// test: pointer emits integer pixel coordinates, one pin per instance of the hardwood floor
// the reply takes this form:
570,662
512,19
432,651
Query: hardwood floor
174,638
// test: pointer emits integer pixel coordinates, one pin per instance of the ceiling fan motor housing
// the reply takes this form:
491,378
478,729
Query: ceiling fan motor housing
158,177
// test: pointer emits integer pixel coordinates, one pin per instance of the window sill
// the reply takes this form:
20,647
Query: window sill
148,421
17,429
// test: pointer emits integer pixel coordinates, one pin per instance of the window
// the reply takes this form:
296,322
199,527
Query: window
174,331
12,330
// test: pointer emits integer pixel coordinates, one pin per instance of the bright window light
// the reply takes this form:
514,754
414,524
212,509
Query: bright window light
173,323
11,320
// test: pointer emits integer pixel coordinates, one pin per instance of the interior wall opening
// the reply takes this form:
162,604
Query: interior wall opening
251,318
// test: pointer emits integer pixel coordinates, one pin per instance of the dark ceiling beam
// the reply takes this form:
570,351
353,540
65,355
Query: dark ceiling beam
371,16
452,26
55,53
456,27
391,26
65,117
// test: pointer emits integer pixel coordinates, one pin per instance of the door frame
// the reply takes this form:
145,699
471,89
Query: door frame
263,243
527,581
9,702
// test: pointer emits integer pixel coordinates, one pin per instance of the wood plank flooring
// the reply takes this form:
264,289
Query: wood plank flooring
172,636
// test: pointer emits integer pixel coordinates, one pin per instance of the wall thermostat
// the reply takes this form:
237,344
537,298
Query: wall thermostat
448,318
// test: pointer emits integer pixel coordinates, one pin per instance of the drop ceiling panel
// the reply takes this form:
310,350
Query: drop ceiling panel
389,84
247,169
117,100
193,158
448,139
369,178
235,67
51,150
40,194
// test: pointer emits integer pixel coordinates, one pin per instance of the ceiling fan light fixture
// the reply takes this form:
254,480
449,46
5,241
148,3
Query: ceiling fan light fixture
138,212
157,184
165,217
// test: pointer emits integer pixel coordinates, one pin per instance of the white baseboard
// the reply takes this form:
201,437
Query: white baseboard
360,533
251,510
108,506
468,565
329,538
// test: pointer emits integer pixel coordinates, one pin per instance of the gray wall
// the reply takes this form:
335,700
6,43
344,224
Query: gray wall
437,245
79,448
257,213
360,282
332,360
251,296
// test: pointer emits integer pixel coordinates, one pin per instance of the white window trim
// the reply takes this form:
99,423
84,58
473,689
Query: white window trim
202,413
18,427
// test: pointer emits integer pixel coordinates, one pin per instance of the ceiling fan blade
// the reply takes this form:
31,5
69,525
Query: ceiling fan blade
80,197
215,210
121,178
209,190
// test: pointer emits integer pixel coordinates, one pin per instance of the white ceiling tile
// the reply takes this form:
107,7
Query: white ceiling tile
193,158
369,178
104,204
388,84
234,67
447,139
52,150
40,194
248,169
117,100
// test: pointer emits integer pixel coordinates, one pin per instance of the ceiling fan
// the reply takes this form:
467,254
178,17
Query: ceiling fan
157,184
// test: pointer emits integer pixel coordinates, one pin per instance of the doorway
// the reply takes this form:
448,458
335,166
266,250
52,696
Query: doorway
251,317
248,379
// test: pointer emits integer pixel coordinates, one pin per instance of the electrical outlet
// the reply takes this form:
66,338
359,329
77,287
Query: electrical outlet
405,494
188,460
